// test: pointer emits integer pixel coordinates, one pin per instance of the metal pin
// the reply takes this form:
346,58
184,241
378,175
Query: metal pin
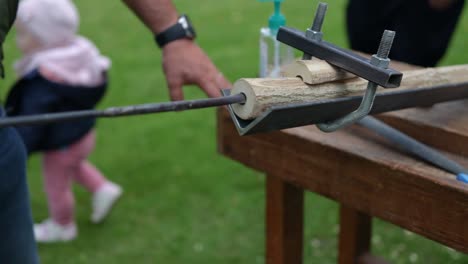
386,44
121,111
319,17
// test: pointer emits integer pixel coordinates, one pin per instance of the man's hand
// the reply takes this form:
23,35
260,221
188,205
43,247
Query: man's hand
440,4
184,63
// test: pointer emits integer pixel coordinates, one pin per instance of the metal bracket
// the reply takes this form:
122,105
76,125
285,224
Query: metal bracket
340,110
295,115
375,70
380,60
342,58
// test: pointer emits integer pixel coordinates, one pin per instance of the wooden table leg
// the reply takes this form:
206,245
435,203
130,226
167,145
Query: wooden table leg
355,235
355,238
284,222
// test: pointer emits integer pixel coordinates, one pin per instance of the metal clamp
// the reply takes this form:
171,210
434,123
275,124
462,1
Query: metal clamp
380,60
372,70
340,57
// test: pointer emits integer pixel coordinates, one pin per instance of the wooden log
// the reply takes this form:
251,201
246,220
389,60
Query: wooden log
263,93
315,71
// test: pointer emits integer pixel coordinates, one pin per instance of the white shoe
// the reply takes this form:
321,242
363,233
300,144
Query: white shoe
103,200
51,231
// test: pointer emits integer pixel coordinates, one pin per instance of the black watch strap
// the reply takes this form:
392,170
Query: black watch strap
182,29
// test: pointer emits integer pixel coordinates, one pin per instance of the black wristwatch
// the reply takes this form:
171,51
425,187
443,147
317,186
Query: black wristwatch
182,29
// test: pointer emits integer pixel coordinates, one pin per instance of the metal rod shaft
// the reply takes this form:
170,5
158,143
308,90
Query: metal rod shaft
412,146
121,111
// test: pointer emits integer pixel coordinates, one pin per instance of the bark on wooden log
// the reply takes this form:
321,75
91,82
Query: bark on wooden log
263,93
315,71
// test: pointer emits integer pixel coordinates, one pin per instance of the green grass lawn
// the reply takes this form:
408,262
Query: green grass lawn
183,202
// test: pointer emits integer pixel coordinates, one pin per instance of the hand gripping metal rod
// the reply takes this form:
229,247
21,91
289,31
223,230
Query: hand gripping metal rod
415,147
380,60
121,111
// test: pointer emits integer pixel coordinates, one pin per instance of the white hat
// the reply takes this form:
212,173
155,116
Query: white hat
50,21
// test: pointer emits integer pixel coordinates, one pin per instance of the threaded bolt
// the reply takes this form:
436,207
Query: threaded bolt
386,44
319,17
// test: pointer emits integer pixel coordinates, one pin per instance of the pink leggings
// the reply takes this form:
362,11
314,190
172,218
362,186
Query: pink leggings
60,167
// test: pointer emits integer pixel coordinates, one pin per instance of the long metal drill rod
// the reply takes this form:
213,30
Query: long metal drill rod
121,111
412,146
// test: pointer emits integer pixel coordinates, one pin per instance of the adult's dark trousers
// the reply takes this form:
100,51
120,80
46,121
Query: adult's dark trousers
422,33
17,244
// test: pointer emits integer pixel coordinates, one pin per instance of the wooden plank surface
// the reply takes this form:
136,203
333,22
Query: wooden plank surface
444,126
362,171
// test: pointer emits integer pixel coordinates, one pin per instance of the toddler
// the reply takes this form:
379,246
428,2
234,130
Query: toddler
60,71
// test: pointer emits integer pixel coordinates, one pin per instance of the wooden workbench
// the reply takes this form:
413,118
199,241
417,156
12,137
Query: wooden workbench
365,174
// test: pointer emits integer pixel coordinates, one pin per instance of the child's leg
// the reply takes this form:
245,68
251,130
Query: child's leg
105,193
58,167
87,175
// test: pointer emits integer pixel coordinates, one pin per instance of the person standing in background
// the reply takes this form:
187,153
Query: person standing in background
423,27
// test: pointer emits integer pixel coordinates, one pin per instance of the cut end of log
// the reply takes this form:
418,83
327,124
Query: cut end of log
245,110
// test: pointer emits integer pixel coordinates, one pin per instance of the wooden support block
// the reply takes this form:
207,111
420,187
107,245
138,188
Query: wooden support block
315,71
264,93
284,222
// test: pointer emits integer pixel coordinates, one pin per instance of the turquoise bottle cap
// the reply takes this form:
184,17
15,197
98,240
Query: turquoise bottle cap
277,19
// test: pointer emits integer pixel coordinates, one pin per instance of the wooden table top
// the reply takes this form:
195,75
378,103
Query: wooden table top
363,171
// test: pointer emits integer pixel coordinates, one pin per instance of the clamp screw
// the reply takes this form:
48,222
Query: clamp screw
386,44
315,32
319,17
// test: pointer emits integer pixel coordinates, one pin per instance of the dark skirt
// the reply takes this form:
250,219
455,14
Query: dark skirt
33,94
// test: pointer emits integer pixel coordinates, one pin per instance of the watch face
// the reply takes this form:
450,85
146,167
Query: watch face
187,26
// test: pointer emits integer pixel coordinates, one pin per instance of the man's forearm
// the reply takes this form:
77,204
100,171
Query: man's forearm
157,15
